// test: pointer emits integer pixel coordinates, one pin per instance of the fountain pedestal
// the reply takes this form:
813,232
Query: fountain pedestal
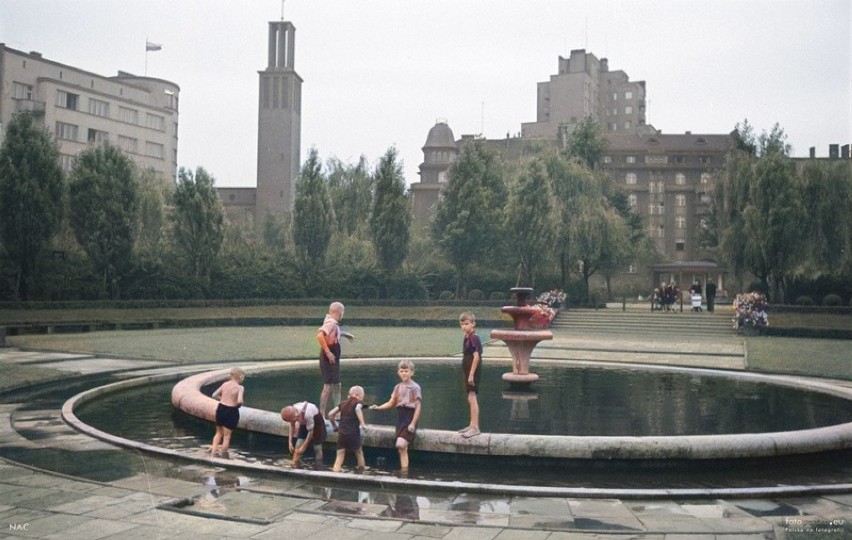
522,339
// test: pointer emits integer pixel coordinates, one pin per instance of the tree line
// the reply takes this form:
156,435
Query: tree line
554,218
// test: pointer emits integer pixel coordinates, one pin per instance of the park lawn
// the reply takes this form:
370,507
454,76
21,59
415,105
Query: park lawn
233,344
16,376
353,313
814,357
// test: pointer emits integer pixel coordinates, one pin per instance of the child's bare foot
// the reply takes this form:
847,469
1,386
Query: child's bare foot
472,432
466,428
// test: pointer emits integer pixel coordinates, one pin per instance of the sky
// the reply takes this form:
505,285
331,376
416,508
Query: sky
380,73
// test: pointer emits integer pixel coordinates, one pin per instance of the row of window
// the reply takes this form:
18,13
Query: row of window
680,180
657,159
614,111
628,94
97,107
70,132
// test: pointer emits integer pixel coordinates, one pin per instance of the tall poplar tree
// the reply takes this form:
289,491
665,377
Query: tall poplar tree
198,222
529,220
390,219
32,190
313,216
103,208
469,220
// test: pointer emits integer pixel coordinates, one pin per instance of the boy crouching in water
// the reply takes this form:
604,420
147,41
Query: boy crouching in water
407,398
349,429
230,396
308,427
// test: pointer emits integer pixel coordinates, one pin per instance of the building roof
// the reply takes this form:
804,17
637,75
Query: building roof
695,142
440,136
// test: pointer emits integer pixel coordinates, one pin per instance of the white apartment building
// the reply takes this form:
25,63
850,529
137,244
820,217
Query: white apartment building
81,109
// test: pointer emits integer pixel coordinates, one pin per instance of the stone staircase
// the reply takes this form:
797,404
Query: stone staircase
644,322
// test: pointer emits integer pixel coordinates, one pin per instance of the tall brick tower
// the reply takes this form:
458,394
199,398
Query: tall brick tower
279,124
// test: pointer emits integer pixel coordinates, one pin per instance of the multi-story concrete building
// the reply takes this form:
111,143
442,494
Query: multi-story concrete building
137,114
668,178
279,128
584,87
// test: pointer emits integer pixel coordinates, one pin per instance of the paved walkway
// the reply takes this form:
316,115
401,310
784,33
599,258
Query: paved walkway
117,493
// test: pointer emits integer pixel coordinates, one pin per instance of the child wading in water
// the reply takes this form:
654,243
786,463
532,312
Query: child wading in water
349,430
471,370
230,396
307,426
407,398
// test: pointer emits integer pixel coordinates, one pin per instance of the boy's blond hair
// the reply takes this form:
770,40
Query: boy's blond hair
238,374
356,392
467,316
405,364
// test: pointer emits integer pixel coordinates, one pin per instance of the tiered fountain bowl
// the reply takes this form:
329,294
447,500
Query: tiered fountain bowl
522,339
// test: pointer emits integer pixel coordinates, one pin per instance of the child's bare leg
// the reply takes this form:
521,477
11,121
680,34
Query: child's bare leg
402,447
335,395
318,454
474,409
338,461
217,440
359,458
226,438
324,395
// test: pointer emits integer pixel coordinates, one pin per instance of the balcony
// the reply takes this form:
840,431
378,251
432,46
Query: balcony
36,108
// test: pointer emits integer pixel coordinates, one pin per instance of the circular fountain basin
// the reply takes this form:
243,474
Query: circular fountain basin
187,395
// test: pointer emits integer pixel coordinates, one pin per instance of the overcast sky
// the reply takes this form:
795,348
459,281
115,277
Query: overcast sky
379,73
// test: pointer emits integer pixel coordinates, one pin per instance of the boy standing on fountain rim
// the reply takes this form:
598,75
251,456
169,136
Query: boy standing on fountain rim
328,338
471,370
230,396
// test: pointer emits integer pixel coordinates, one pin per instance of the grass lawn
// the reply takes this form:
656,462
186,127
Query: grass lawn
816,357
353,313
201,345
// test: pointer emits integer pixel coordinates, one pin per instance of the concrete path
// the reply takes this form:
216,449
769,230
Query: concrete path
117,493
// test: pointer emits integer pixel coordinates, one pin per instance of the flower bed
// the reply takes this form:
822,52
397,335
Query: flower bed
750,312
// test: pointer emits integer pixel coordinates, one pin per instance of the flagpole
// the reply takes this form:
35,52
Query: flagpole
146,56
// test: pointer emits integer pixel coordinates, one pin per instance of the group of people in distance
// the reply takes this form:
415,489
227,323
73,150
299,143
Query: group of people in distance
307,420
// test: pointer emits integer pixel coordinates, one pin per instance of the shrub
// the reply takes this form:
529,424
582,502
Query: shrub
446,295
475,294
497,295
805,300
832,300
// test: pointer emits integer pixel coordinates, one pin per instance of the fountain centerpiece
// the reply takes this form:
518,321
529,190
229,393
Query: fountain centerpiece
522,339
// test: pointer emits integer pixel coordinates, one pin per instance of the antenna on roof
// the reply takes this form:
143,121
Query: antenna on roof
282,10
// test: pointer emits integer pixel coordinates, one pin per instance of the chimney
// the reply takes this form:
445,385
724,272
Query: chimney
833,151
813,152
844,151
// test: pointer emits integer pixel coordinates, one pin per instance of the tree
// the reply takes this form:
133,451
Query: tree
198,222
390,219
313,217
827,200
154,192
470,211
758,209
587,143
773,220
32,190
529,222
103,209
351,190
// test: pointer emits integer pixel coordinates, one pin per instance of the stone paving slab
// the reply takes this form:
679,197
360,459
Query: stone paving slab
89,366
